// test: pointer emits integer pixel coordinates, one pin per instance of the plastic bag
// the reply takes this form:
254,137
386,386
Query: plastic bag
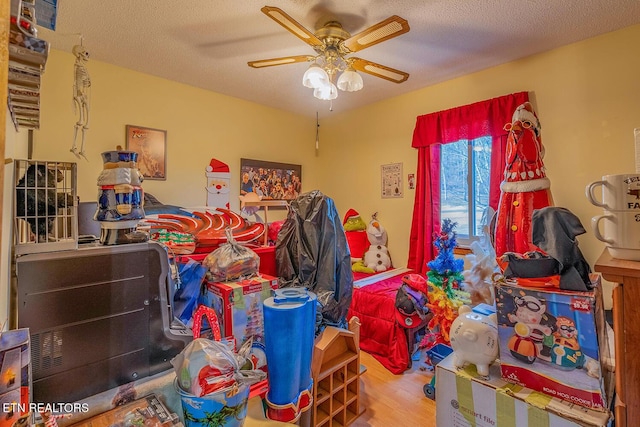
205,366
180,243
312,252
231,261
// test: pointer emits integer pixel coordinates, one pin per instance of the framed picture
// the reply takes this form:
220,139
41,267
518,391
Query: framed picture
411,180
391,180
151,146
271,180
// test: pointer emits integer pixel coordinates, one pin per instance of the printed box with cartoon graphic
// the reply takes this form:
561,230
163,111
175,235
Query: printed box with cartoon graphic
554,341
239,306
15,377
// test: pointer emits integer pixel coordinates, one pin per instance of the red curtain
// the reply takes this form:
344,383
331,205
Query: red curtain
481,119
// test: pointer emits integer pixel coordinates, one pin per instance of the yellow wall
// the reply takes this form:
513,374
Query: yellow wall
587,98
16,145
200,125
585,95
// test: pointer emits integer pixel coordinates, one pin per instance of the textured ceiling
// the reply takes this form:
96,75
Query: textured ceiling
208,43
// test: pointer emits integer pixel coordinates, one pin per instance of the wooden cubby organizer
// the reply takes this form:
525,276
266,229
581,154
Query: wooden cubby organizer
336,377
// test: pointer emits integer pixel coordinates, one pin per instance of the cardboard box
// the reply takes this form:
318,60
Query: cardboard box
555,342
239,306
465,399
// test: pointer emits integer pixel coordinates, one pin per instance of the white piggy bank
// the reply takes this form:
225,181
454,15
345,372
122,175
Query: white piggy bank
474,339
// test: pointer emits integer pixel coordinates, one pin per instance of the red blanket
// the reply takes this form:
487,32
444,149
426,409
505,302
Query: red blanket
380,334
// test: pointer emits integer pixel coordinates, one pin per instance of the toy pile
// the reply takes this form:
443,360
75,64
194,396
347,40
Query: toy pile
547,328
208,228
375,258
211,378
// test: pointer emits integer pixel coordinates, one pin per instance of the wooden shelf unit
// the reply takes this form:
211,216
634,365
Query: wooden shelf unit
27,59
265,204
336,377
626,328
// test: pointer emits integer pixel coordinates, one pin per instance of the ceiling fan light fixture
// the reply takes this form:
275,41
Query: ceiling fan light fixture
315,77
350,81
326,93
333,45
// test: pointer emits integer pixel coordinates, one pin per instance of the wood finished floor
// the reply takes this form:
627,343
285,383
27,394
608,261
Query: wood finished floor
394,400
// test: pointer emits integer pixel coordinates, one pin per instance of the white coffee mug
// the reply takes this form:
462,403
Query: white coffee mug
621,233
619,192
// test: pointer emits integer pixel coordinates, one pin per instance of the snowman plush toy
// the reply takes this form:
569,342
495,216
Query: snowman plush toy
377,256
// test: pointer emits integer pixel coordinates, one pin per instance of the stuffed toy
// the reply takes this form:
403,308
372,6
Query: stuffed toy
248,211
355,231
377,256
274,230
37,199
482,264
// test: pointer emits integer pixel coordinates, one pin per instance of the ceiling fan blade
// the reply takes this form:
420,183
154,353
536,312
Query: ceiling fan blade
391,27
378,70
280,61
291,25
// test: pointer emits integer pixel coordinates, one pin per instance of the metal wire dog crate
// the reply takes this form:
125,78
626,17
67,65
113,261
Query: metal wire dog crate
45,208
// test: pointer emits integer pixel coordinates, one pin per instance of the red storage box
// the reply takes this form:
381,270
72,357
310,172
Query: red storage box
267,256
239,306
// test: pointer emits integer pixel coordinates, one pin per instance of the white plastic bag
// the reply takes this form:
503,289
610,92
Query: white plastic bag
205,366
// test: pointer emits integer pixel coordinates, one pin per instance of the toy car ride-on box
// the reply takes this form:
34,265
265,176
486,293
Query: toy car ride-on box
238,306
554,341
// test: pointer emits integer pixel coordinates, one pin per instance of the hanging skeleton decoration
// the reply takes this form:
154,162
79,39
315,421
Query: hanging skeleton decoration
81,97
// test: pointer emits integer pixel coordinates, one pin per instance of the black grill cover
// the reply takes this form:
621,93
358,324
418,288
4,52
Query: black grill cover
312,252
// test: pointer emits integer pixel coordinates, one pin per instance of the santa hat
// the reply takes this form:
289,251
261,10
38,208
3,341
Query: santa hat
351,213
525,112
524,175
217,166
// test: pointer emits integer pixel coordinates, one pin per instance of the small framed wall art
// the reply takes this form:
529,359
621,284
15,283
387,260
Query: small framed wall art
391,180
151,146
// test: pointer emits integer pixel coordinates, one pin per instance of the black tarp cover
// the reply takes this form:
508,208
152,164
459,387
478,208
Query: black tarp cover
312,252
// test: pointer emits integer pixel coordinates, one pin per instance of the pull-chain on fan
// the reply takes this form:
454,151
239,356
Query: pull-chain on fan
333,45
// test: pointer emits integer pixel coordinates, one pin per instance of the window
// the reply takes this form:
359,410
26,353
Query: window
478,122
465,168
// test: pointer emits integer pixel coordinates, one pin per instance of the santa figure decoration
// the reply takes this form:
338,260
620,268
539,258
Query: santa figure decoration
218,184
525,187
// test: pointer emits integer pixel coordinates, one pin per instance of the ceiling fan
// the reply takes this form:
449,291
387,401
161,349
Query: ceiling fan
333,45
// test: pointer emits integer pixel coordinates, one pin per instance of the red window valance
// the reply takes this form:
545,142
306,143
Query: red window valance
484,118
